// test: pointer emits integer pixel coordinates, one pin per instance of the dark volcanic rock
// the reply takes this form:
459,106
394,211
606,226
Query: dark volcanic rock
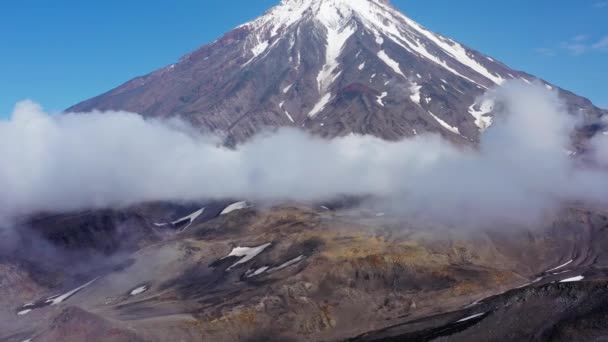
105,231
77,325
554,312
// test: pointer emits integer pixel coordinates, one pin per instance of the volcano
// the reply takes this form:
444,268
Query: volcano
332,67
332,269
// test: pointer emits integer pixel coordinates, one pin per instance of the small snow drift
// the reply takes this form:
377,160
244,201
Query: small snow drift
560,266
245,254
482,113
139,290
53,300
253,273
184,222
471,317
573,279
287,264
234,207
24,312
268,269
530,283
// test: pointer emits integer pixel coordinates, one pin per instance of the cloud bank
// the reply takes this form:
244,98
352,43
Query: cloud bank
520,169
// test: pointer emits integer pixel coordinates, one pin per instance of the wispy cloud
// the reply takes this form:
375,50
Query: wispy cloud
576,46
545,52
602,44
601,4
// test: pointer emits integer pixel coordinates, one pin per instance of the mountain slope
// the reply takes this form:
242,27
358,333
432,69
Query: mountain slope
299,272
334,67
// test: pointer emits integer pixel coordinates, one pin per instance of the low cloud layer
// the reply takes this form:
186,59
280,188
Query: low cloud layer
521,169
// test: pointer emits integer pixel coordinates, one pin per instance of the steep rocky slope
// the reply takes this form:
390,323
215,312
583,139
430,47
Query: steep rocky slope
333,67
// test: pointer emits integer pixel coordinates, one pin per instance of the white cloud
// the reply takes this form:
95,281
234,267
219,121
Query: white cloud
545,52
577,46
519,171
602,44
601,4
580,38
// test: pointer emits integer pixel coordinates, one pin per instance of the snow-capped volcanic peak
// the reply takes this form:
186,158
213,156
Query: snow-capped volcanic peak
331,67
340,19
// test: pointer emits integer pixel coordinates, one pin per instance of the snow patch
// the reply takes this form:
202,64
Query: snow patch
257,50
560,266
335,42
470,317
530,283
268,269
445,124
246,254
281,105
56,300
415,90
480,113
259,271
336,18
457,51
561,272
391,63
190,218
336,38
320,105
234,207
139,290
287,264
381,97
421,50
573,279
24,312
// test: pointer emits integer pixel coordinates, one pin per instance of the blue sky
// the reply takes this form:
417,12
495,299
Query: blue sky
59,52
